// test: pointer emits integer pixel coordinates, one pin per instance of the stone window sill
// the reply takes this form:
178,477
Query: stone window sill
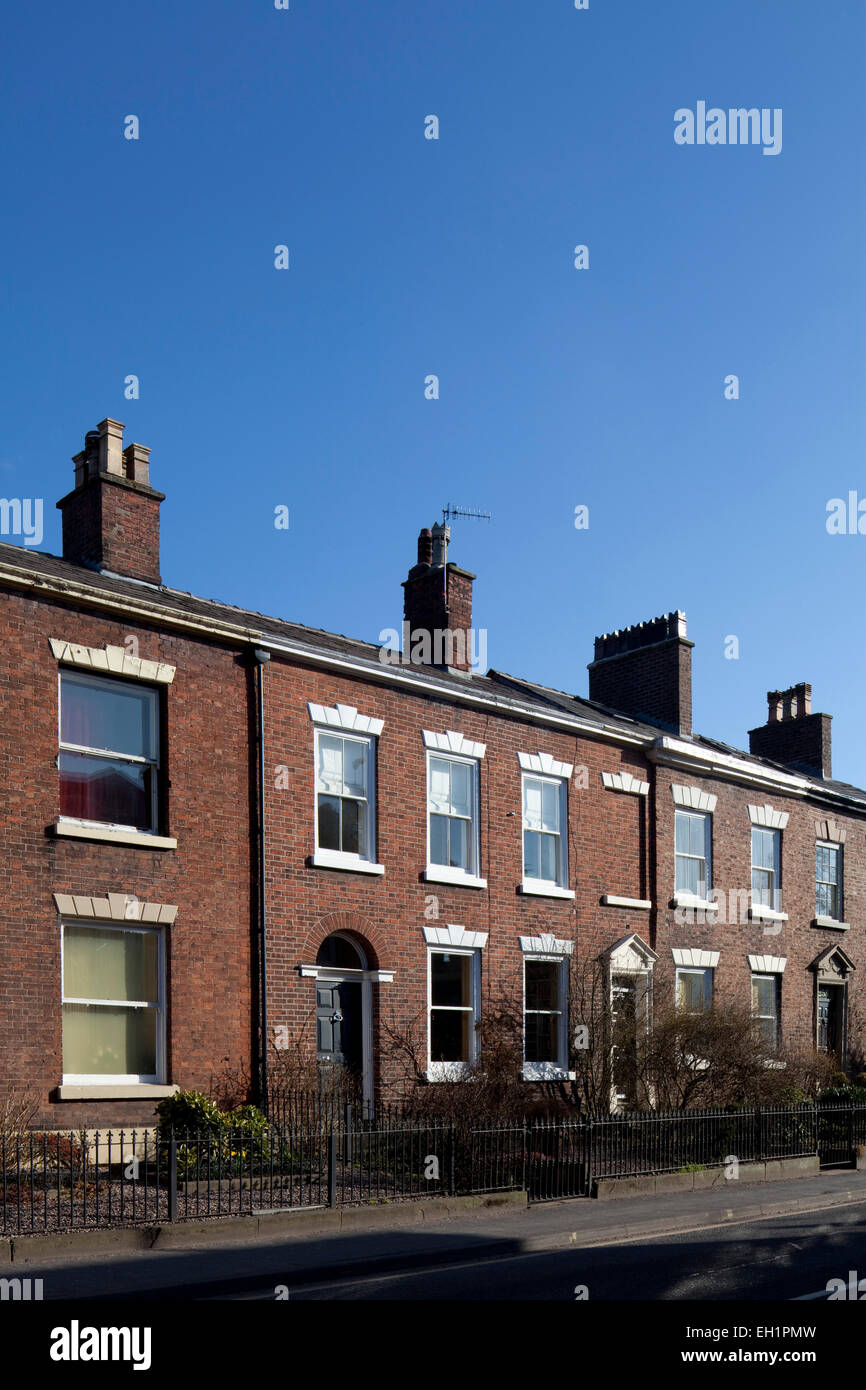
539,888
108,834
546,1071
766,914
119,1092
350,863
831,923
442,873
691,900
447,1071
613,900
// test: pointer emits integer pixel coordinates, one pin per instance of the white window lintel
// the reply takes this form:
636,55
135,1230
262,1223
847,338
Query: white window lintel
543,765
625,782
546,945
452,935
693,798
693,958
768,817
345,717
112,660
454,743
767,965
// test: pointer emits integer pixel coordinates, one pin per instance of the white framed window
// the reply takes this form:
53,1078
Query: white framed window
828,881
113,993
109,752
766,868
545,1018
453,995
694,989
452,819
766,1008
345,801
693,838
545,841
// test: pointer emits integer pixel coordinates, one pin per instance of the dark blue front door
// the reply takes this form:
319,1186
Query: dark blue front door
338,1023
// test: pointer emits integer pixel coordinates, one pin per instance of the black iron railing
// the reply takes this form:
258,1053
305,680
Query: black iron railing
63,1180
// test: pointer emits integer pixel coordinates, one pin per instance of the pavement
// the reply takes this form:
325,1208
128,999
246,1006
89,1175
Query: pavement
300,1247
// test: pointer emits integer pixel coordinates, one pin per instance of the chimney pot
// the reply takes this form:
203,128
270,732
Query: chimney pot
110,447
136,463
111,517
91,454
793,735
425,546
441,537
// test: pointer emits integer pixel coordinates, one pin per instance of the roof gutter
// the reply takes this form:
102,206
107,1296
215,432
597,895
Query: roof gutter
704,762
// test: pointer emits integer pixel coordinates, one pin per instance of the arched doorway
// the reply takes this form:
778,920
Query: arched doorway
344,1009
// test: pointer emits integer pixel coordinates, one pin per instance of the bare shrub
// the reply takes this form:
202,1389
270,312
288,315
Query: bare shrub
18,1109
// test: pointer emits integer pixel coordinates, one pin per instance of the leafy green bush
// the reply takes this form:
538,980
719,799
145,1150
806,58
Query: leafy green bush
248,1119
190,1110
794,1095
211,1141
848,1092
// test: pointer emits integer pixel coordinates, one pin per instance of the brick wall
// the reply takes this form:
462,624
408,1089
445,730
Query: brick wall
802,743
112,523
439,600
607,849
797,939
618,843
653,683
207,877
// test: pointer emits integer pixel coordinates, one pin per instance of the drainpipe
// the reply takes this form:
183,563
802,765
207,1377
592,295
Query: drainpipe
260,657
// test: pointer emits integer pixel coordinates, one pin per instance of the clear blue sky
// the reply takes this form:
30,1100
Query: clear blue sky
408,256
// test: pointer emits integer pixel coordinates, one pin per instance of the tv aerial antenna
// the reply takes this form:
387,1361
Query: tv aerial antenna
468,514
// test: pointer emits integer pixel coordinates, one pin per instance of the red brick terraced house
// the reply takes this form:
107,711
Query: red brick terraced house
225,834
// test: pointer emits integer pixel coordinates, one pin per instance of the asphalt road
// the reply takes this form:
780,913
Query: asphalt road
782,1258
785,1257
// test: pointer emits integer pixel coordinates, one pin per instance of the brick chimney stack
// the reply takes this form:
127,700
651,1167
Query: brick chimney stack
646,671
437,606
793,735
111,517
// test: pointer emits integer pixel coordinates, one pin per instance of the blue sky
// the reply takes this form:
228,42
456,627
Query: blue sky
409,256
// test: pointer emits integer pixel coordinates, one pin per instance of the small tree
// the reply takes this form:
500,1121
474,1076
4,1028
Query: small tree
491,1087
18,1110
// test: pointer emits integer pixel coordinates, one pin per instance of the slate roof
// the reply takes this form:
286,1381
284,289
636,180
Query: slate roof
508,691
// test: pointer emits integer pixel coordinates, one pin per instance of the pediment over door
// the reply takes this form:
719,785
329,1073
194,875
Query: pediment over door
833,966
631,955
